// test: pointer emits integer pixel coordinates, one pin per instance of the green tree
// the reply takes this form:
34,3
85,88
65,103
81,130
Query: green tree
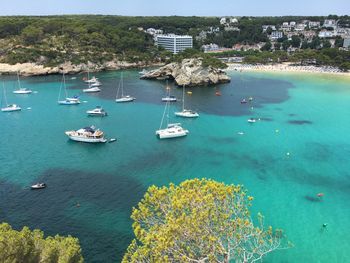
267,46
295,41
32,34
199,221
31,247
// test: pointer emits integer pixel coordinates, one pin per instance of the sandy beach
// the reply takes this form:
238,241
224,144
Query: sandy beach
286,67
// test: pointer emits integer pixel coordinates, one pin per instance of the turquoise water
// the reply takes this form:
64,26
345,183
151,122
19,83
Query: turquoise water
300,147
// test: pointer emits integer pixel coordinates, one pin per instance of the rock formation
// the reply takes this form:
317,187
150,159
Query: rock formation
189,72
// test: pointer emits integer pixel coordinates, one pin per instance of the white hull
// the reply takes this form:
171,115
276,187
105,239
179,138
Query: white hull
169,99
85,139
22,91
64,102
187,114
96,84
91,90
125,99
171,132
9,109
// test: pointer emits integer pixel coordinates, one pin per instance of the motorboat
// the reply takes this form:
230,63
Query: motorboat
122,97
22,91
92,89
173,130
69,101
251,120
96,84
98,111
218,93
169,98
244,101
11,107
92,80
186,113
38,186
87,134
126,98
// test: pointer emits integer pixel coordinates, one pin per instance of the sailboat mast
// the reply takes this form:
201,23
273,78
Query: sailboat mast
19,83
64,84
183,97
3,87
165,110
122,84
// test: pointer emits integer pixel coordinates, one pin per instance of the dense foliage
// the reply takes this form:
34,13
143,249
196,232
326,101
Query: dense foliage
199,221
31,247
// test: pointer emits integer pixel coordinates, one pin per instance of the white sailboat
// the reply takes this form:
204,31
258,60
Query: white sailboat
123,98
168,98
172,130
186,113
8,107
21,90
68,100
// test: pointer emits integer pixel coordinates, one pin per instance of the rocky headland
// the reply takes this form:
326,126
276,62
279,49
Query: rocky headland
189,72
35,69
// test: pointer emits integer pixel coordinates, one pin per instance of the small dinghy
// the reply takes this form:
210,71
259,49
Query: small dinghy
112,140
251,120
38,186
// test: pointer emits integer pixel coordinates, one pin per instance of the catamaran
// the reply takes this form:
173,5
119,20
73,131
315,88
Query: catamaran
68,100
123,98
21,90
87,134
8,107
172,130
186,113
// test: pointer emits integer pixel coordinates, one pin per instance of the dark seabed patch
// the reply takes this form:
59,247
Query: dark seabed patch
292,114
47,209
300,122
222,140
312,198
317,152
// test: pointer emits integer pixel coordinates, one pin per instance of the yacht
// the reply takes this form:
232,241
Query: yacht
123,98
172,130
70,101
38,186
251,120
21,90
92,80
92,89
96,84
169,98
87,134
186,113
98,111
11,107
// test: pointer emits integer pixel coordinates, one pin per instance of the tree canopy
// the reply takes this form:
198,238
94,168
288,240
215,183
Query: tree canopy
199,221
31,247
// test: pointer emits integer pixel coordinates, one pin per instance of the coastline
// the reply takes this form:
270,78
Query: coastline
33,69
286,67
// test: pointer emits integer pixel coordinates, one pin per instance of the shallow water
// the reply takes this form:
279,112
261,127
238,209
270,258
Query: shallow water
298,148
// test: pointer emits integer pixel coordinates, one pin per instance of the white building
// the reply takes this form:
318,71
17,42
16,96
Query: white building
346,43
314,24
276,35
324,34
223,21
210,47
265,27
174,43
153,31
330,23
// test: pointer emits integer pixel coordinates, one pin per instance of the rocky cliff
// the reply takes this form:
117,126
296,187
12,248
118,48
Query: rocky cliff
189,72
33,69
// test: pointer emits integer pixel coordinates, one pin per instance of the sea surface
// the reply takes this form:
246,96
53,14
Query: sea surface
299,147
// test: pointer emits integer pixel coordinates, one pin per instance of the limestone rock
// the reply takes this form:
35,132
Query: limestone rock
189,72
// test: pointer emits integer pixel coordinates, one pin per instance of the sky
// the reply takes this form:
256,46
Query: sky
176,7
